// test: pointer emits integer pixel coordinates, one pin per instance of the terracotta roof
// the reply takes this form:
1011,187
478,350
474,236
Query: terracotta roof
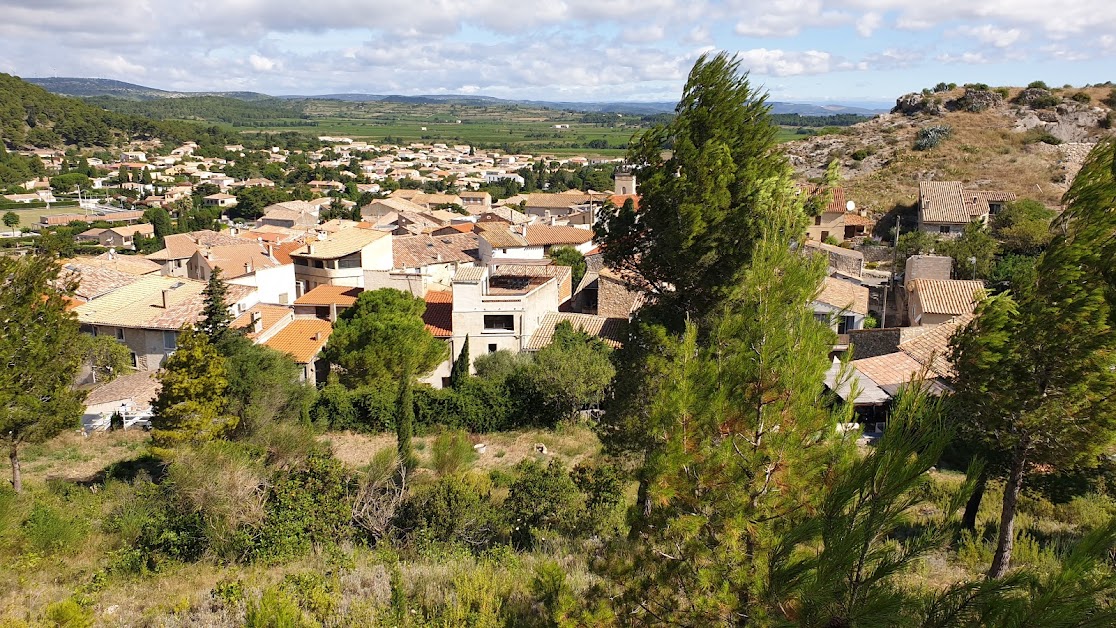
140,387
545,235
843,295
95,280
183,245
302,339
422,250
131,264
240,259
610,330
500,236
943,202
619,199
947,296
270,316
892,371
140,304
282,251
469,274
342,296
395,204
853,219
439,313
931,348
556,201
339,244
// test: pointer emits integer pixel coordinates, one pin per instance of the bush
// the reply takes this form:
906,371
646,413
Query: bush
275,609
931,136
1110,100
1082,97
542,499
48,531
983,86
1037,85
452,452
68,614
1037,135
861,153
448,511
1108,121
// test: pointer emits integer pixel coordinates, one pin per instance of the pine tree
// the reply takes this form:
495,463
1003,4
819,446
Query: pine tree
42,351
460,371
191,405
215,315
1036,371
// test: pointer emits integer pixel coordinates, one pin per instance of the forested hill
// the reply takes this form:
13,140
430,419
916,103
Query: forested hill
31,117
208,108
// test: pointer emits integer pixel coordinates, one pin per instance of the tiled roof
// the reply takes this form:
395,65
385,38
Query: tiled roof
556,201
931,348
947,296
95,280
991,196
619,199
500,236
131,264
943,202
422,250
843,295
545,235
140,387
302,339
610,330
183,245
890,368
282,251
469,274
343,296
298,207
835,250
868,392
140,304
239,260
339,244
853,219
270,316
439,313
396,204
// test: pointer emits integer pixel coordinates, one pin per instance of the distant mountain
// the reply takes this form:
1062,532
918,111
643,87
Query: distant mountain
89,87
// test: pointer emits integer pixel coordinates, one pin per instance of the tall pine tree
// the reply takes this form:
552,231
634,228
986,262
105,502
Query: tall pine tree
215,315
460,371
191,407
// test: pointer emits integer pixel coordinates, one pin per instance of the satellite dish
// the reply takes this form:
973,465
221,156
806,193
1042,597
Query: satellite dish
850,206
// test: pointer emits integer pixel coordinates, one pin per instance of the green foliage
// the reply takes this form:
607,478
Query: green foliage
1036,135
452,452
405,421
107,357
460,370
973,253
498,366
264,385
11,220
1082,97
569,256
191,406
702,206
42,348
47,530
70,182
382,337
251,201
1023,227
1037,85
931,136
450,510
570,373
276,608
68,614
541,501
215,315
307,505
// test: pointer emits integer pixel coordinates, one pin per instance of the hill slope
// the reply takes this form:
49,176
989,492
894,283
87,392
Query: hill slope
1029,143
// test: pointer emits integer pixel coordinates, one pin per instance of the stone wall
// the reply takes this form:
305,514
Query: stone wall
869,343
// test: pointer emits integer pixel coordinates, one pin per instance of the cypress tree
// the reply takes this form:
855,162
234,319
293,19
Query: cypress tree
460,371
215,315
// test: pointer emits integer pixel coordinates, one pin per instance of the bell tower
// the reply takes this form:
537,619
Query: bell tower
624,181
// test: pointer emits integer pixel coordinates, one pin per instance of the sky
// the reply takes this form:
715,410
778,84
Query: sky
850,51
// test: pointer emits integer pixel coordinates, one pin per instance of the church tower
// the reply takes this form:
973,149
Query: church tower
625,181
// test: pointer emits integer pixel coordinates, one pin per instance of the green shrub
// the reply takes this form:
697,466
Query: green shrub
452,452
1003,91
158,528
862,153
1110,100
449,511
68,614
1108,121
1082,97
542,499
1037,85
275,609
983,86
1087,511
308,505
47,530
314,592
1036,135
931,136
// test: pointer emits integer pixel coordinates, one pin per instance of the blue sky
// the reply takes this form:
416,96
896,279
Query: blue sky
579,50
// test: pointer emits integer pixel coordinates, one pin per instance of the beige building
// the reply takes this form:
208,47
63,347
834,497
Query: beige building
501,307
341,258
180,247
945,208
117,237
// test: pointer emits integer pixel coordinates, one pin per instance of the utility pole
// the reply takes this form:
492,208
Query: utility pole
891,277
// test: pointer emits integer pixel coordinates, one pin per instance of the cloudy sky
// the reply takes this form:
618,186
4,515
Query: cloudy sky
578,50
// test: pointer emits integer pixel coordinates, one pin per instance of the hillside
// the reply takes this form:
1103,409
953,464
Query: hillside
94,87
1030,142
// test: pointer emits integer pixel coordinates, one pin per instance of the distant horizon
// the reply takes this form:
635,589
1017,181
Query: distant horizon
842,102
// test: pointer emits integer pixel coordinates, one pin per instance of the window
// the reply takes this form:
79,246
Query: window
817,221
502,322
170,340
822,318
492,348
943,229
135,361
845,324
120,333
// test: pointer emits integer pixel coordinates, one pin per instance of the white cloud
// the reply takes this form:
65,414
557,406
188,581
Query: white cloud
868,23
993,36
263,64
784,63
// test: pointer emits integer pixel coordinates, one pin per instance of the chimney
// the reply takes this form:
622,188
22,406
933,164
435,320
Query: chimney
333,312
317,335
309,249
165,292
257,322
270,250
247,268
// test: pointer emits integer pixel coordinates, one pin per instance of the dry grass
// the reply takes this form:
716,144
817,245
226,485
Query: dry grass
73,457
570,445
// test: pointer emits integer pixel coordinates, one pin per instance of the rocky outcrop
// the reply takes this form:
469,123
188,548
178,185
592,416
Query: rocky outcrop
976,100
1034,96
915,103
